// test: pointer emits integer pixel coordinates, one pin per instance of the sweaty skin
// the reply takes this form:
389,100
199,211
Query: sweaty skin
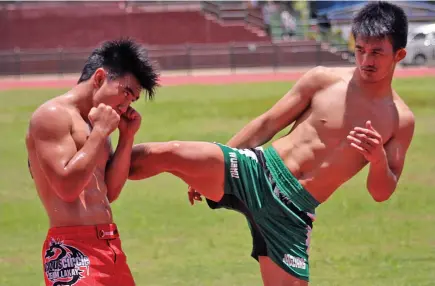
316,150
71,163
343,119
92,205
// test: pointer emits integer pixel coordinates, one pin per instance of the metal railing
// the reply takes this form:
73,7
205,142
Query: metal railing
181,57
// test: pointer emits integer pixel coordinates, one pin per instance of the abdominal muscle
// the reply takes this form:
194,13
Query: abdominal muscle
90,208
321,166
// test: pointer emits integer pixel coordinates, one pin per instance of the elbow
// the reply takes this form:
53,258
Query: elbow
69,199
381,191
382,195
380,199
112,198
66,189
67,195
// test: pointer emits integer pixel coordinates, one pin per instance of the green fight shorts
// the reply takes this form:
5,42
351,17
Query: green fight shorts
280,212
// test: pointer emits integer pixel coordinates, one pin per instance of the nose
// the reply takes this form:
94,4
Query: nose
128,100
122,109
368,60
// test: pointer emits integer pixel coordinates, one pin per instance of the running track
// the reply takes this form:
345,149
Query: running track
7,84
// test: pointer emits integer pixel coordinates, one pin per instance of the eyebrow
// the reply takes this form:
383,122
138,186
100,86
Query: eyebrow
374,50
130,90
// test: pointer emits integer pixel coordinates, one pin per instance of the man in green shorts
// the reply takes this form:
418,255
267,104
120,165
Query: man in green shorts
343,119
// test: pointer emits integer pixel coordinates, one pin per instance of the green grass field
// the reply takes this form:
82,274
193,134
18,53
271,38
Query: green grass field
356,241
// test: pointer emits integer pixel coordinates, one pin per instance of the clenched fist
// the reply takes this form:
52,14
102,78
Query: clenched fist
130,122
104,118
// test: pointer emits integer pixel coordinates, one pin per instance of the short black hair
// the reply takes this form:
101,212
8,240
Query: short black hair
120,57
382,19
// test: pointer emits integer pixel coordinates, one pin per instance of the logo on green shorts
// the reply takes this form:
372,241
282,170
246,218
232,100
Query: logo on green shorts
234,166
295,262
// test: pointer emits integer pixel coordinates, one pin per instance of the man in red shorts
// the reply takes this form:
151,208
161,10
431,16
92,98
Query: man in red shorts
76,173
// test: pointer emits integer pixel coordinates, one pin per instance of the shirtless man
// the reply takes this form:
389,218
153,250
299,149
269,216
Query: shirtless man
75,171
343,120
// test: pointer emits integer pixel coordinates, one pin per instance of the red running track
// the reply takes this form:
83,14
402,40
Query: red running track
7,84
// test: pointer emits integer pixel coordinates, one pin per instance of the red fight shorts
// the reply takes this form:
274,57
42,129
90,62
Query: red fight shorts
85,255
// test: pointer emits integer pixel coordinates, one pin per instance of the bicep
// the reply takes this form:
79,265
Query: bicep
54,154
396,157
397,148
295,102
287,108
53,143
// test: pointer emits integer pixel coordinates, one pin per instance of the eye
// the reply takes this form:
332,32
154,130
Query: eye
125,93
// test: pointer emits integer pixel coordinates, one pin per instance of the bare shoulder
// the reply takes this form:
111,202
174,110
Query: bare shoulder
318,78
50,118
326,76
324,73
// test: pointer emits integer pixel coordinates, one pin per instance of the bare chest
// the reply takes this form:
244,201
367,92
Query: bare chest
336,111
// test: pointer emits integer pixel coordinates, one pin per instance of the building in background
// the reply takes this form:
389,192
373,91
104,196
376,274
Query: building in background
56,37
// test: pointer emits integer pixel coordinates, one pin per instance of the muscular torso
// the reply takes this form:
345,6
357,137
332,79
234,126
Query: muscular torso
316,150
92,206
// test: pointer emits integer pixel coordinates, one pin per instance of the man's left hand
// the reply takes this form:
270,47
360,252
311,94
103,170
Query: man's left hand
368,142
130,122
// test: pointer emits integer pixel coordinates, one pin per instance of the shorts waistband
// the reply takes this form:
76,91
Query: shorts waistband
100,231
288,184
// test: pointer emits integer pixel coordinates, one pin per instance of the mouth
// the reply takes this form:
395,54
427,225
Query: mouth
369,70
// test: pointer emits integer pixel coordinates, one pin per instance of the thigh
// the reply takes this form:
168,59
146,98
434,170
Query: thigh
199,164
273,275
122,275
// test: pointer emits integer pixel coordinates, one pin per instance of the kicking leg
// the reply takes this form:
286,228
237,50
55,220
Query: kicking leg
199,164
273,275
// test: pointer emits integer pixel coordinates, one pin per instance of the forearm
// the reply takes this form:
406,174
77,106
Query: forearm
118,167
78,171
252,135
381,181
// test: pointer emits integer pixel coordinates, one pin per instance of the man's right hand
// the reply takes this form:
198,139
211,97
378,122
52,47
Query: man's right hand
104,118
193,195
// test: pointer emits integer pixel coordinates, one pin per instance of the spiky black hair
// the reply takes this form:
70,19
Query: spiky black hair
382,19
120,57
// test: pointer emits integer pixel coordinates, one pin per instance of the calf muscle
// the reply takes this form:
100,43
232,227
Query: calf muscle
199,164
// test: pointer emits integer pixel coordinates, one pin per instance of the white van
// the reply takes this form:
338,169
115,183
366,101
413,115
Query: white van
421,45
